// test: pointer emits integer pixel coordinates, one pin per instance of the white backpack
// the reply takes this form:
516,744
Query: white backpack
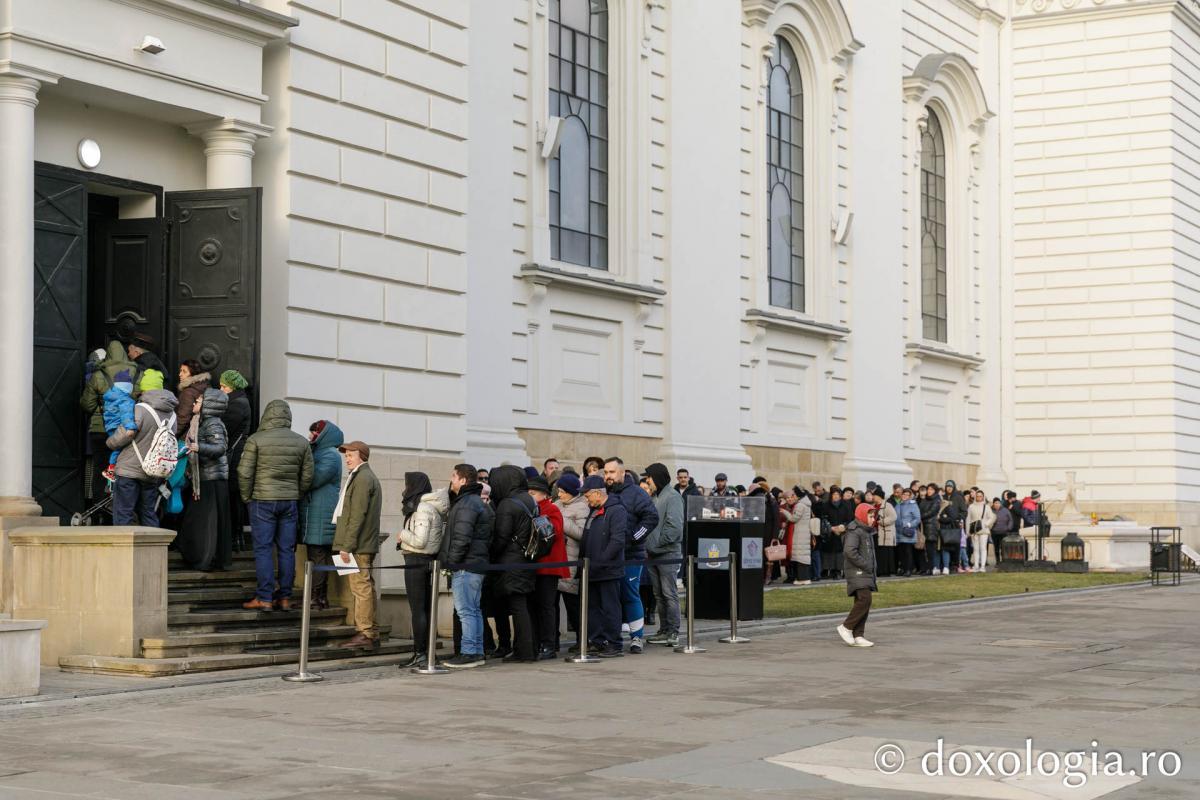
160,460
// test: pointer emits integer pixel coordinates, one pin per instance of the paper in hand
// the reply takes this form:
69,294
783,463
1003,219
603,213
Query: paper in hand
345,567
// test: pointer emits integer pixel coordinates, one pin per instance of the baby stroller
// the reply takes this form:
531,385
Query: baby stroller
171,490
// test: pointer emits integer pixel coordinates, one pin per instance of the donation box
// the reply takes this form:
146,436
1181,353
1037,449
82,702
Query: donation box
717,526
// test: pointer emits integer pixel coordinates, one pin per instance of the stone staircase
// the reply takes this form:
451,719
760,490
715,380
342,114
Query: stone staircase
209,630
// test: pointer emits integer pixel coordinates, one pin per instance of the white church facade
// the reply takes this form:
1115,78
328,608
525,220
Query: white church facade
835,240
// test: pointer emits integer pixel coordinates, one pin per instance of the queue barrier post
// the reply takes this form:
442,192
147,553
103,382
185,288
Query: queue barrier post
733,637
584,657
303,675
431,666
691,647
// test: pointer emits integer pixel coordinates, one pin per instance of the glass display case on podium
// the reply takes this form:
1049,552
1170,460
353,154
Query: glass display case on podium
717,526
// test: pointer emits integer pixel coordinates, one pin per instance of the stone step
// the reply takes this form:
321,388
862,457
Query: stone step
237,619
162,667
207,596
195,579
227,643
242,559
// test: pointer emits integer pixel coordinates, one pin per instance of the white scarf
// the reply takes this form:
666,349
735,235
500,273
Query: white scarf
337,511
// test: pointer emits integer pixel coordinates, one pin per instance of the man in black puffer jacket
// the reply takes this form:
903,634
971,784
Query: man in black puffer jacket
465,546
509,591
643,518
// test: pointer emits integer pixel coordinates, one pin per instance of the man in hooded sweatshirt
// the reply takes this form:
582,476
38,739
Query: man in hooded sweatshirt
135,494
275,471
665,541
643,518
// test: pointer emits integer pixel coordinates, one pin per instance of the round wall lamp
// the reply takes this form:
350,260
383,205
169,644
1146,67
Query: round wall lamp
88,153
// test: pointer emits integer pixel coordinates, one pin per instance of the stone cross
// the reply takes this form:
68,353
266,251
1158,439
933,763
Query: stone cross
1070,511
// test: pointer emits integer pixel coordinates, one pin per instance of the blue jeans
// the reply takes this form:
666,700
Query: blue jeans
944,557
135,502
467,587
814,569
631,601
273,531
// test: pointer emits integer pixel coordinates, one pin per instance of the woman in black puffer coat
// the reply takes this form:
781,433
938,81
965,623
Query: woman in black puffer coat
930,504
509,591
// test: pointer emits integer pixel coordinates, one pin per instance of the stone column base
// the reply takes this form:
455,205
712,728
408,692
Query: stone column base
703,462
7,525
102,590
20,657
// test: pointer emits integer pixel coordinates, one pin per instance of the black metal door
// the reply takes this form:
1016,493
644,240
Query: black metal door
59,345
125,294
213,259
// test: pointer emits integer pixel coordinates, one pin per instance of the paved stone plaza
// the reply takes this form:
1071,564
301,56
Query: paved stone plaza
794,713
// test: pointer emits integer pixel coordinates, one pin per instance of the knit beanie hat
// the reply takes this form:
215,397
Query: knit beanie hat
151,379
569,482
861,513
594,482
233,379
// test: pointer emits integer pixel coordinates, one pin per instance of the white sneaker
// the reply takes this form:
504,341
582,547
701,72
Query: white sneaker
861,642
846,635
983,569
945,570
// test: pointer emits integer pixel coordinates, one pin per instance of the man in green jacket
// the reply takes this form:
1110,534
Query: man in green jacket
275,470
357,534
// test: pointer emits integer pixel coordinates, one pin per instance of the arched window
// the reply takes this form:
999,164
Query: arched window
579,95
785,179
933,230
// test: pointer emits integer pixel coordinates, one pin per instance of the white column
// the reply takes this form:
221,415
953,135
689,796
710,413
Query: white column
702,423
229,148
875,407
18,99
491,437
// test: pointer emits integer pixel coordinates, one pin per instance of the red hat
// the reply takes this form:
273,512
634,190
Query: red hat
861,513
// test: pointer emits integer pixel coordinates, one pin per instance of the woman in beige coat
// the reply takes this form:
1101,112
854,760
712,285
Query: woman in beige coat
886,513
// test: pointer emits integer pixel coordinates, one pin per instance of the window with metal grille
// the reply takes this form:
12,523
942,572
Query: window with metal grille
933,231
785,179
579,95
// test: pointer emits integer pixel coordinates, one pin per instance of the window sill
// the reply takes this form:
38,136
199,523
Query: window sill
599,283
924,351
796,324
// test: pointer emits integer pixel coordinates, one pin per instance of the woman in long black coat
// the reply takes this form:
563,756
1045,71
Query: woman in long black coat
515,510
238,423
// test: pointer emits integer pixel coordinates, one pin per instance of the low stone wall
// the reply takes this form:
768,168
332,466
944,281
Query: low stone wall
7,526
101,590
20,657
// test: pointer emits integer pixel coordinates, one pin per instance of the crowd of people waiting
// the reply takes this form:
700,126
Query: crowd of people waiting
320,491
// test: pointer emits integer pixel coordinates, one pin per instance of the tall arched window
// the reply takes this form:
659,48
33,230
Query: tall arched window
933,230
785,179
579,95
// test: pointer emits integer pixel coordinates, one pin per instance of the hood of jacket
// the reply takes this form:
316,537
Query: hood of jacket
116,352
506,481
160,400
214,404
193,380
330,436
439,499
661,476
277,414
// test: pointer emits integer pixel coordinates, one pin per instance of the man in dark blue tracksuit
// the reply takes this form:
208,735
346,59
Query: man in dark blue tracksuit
643,518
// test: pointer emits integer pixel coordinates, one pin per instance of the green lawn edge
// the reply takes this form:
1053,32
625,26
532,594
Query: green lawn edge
830,598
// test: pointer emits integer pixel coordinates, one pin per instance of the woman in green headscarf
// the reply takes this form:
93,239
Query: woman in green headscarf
238,422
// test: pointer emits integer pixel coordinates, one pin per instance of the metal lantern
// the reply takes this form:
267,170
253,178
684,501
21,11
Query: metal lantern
1071,550
1013,548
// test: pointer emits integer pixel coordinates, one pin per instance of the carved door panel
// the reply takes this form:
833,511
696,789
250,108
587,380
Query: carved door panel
59,262
213,259
126,280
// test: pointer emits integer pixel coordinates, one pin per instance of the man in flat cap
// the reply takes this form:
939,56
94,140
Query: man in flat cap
357,533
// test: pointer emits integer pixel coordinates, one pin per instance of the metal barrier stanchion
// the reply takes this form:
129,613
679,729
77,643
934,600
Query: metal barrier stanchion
584,656
431,666
303,675
733,638
691,647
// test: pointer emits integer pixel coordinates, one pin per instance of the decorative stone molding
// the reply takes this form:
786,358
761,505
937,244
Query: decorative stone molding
1029,8
759,11
958,76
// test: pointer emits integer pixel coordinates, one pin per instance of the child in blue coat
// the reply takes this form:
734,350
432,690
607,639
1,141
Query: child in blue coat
118,413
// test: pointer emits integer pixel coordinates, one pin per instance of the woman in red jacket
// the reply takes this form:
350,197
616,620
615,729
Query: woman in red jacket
545,593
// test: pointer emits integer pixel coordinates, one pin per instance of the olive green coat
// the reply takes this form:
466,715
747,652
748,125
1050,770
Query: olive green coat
277,463
358,524
102,380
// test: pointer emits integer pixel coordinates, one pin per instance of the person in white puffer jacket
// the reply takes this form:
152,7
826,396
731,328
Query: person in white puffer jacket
419,540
